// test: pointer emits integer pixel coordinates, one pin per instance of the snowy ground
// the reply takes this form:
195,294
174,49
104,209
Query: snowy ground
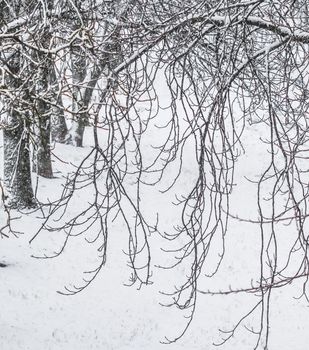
108,315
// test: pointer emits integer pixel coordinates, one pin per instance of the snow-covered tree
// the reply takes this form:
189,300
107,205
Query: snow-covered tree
15,121
227,64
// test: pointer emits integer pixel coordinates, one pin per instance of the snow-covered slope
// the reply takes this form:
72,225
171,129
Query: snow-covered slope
108,315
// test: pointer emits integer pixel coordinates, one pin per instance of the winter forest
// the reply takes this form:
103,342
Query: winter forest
154,178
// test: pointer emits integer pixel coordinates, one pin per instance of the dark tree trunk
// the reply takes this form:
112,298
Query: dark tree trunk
17,171
59,129
42,116
43,109
43,153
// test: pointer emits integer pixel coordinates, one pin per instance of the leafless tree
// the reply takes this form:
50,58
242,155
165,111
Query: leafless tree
218,57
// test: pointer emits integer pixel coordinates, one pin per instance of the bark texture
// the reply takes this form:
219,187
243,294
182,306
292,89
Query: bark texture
43,154
59,129
17,170
79,73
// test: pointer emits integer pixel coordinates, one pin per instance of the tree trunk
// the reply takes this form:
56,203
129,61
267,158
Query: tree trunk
82,95
59,129
42,117
43,153
17,171
77,131
81,102
79,73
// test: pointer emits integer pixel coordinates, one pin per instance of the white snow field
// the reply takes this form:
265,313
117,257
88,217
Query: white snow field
108,315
